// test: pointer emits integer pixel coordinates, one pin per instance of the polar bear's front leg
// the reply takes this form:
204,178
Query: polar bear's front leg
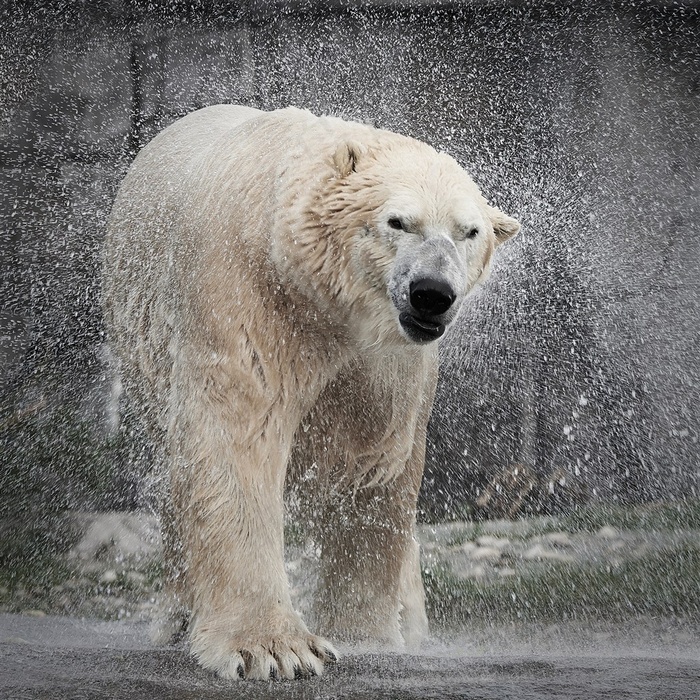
368,547
227,496
414,621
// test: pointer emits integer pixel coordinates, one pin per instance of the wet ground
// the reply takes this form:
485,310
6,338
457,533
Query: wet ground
68,658
601,606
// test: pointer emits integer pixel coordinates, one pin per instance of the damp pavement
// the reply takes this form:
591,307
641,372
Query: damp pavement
68,658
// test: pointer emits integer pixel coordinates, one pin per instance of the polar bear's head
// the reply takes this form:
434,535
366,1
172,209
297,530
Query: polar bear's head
420,234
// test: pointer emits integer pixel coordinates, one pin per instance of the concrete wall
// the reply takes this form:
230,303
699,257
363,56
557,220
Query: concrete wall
578,358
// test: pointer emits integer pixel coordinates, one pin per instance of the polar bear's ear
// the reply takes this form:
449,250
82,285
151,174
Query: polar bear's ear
346,157
504,226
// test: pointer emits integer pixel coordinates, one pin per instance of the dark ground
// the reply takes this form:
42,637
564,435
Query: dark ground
70,658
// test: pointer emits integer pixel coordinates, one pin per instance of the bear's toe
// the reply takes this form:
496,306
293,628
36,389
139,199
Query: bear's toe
278,659
233,668
260,665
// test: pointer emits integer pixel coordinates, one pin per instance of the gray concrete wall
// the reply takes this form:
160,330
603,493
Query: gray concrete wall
578,358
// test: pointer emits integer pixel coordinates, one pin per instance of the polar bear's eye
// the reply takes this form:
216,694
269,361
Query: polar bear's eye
467,233
396,223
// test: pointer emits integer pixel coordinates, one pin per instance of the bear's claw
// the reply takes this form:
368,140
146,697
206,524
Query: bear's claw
274,660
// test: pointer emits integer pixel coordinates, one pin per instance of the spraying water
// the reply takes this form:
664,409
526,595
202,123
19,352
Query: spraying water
571,379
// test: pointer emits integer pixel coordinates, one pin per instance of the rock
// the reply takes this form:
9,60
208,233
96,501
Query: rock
558,539
469,571
468,548
136,578
292,566
486,554
491,541
109,576
118,536
608,532
539,553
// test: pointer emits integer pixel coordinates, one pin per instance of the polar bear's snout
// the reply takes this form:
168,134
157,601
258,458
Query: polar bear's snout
431,296
425,316
427,288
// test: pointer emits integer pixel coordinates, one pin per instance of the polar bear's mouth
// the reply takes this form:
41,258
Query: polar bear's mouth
420,329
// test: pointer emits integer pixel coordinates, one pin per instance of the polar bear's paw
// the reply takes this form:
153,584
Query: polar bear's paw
283,657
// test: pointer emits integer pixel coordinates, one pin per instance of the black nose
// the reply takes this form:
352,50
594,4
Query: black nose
431,296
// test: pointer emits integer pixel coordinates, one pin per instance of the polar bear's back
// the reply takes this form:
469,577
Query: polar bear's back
146,237
197,199
192,174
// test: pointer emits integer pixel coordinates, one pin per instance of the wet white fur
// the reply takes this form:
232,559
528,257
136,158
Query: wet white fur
252,285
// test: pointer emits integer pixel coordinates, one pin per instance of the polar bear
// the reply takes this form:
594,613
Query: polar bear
274,284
